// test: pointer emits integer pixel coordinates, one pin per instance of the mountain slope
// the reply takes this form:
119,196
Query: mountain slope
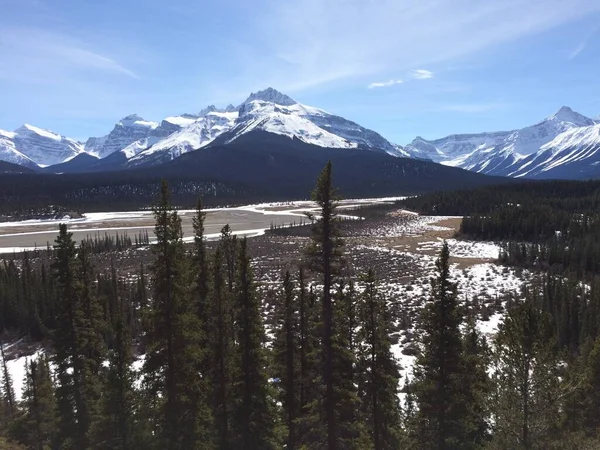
32,146
505,153
574,154
9,152
269,111
259,166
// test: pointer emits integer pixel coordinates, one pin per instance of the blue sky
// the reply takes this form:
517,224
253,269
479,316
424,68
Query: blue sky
401,67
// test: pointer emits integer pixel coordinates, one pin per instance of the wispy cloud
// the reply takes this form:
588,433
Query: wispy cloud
380,84
583,44
38,52
421,74
303,43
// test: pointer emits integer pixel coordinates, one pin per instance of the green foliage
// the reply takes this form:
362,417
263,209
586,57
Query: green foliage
380,408
526,396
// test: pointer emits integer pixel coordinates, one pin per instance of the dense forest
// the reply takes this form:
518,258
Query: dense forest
217,372
272,168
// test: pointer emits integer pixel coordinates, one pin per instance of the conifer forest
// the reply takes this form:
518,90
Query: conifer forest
189,346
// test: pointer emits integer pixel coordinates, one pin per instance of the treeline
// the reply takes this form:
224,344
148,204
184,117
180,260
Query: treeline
320,375
558,195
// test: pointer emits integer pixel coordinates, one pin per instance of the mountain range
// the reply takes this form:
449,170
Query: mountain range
564,145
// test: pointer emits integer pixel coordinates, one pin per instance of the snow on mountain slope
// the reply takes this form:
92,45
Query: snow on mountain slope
126,131
285,119
42,147
9,152
198,133
456,147
500,153
274,112
268,110
570,155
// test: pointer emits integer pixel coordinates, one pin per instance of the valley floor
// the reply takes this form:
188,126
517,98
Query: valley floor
400,246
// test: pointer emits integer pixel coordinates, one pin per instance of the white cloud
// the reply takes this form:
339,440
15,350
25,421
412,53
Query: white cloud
380,84
38,52
298,44
421,74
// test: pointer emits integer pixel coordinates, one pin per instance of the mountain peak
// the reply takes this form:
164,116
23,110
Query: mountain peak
566,114
271,95
28,129
134,120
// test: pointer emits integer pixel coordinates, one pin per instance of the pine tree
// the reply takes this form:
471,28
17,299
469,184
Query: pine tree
91,350
526,396
8,393
476,388
221,347
172,358
116,429
379,389
36,428
309,385
438,368
324,257
254,418
352,433
286,348
69,392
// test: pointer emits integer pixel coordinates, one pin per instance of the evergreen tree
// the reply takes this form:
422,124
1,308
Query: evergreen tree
116,428
324,257
91,350
70,396
439,422
172,359
476,387
254,418
36,427
380,376
286,348
221,347
8,393
525,374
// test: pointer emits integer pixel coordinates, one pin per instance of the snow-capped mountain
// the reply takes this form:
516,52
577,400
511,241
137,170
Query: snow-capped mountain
127,130
9,152
502,153
572,154
192,135
42,147
268,110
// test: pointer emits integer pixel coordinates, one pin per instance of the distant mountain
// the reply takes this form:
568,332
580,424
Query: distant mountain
574,154
29,144
268,110
258,166
510,153
562,145
7,167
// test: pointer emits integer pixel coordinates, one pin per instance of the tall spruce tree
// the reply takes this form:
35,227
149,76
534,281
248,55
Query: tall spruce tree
221,345
476,388
7,390
116,428
70,395
172,359
91,350
526,394
437,372
380,408
254,416
36,428
286,349
331,427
